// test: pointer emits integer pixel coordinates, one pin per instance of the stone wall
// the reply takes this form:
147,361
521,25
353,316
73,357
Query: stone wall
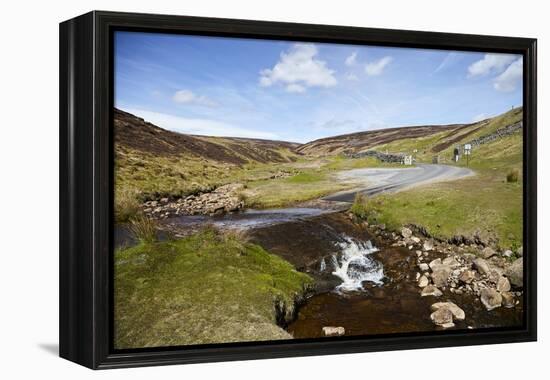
384,157
498,134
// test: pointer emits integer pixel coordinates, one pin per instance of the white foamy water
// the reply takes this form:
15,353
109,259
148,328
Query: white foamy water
354,266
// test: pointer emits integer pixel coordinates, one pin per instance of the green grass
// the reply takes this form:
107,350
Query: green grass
206,288
140,176
305,177
360,206
486,203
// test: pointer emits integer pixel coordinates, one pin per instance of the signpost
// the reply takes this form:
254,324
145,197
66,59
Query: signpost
467,152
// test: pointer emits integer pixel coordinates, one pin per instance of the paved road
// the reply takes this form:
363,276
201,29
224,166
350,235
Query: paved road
373,181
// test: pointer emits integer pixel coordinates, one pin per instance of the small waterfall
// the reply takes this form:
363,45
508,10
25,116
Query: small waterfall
323,266
355,265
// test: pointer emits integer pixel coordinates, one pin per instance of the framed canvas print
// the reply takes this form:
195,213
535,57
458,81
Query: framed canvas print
236,189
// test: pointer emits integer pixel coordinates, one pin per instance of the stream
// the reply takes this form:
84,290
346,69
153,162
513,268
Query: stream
362,284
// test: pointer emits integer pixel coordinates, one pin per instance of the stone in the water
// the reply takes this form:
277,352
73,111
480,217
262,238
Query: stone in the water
423,267
435,263
440,275
508,299
442,317
490,298
515,273
503,285
333,331
467,276
423,281
458,313
481,265
431,290
428,245
488,252
406,232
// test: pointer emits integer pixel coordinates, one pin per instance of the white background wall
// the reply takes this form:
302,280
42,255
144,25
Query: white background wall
29,186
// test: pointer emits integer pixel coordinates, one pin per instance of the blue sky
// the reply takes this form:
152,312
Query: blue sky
304,91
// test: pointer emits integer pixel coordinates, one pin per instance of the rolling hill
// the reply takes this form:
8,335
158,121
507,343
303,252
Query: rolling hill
426,140
134,133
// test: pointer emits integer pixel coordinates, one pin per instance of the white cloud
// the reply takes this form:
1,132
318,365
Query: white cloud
377,67
296,88
351,77
194,126
189,97
299,69
351,59
489,64
510,78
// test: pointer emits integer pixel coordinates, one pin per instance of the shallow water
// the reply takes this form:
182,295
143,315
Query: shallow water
250,218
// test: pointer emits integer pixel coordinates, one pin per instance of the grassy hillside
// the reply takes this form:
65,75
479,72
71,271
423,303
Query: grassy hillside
488,204
360,141
206,288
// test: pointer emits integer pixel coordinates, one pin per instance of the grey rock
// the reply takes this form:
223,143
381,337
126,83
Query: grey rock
435,263
431,290
508,299
467,276
451,262
487,252
406,232
333,331
442,317
481,265
515,273
423,281
423,267
503,285
507,253
490,298
428,245
457,312
440,275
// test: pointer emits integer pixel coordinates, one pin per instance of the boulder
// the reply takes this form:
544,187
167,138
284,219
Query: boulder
490,298
333,331
457,312
423,281
503,285
507,253
415,239
428,245
424,267
431,290
515,273
508,299
481,265
435,263
488,252
406,232
442,317
440,275
451,262
467,276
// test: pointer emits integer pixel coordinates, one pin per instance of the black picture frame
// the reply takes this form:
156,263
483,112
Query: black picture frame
86,187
